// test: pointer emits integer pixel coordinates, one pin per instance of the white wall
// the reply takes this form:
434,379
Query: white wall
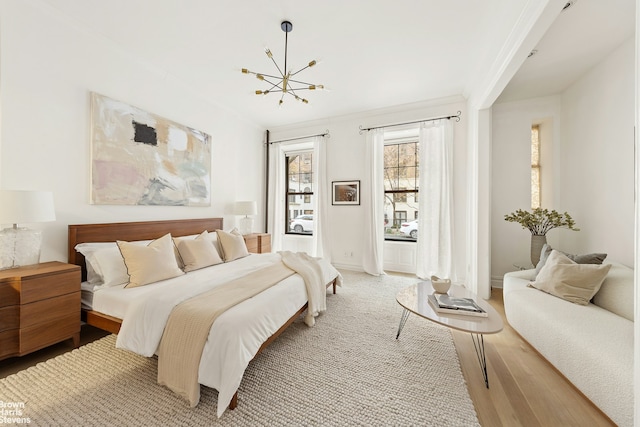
591,165
49,65
345,161
511,177
597,156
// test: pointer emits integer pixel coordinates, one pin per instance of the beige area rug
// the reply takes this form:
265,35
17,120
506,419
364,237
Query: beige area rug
348,370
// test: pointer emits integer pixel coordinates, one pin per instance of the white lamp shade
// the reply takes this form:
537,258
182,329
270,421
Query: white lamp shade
246,208
18,207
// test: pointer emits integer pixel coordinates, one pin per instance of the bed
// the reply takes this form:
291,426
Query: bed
246,328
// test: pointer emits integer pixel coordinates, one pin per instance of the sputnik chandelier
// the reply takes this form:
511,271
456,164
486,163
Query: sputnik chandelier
284,83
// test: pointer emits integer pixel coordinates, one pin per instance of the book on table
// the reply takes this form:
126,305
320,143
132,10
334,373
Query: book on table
443,303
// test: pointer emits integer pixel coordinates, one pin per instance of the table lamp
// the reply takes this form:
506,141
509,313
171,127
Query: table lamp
20,245
246,208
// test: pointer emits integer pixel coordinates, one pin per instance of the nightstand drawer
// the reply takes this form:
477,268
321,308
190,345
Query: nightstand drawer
43,335
52,309
9,318
9,343
39,288
9,292
39,306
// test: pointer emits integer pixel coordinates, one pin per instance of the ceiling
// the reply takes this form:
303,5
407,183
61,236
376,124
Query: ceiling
372,53
583,35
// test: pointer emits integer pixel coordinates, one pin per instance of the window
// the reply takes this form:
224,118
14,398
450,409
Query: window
299,193
401,181
535,166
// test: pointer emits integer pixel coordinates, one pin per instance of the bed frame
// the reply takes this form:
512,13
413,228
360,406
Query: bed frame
146,230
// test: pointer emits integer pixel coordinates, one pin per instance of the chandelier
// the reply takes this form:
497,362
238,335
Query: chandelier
284,84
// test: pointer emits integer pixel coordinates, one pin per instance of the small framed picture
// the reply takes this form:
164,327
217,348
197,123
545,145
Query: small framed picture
346,193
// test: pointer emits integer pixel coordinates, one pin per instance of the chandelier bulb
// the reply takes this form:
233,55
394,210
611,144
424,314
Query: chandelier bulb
245,71
268,52
259,77
312,63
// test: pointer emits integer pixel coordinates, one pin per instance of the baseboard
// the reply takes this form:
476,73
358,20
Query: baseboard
496,282
349,267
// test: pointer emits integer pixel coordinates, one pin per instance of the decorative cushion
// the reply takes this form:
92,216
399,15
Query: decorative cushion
564,278
595,258
151,263
198,253
232,245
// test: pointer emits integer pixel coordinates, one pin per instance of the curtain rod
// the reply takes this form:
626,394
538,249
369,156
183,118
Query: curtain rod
326,133
456,116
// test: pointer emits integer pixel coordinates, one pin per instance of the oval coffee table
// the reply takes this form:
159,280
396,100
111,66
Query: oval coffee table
414,299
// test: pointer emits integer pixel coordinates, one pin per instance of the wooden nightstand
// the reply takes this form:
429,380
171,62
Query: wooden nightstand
258,243
39,306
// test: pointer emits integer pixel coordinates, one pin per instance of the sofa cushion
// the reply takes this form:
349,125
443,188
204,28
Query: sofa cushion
595,258
616,292
564,278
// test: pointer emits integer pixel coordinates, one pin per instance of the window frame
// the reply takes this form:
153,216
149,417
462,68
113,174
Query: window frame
293,195
403,191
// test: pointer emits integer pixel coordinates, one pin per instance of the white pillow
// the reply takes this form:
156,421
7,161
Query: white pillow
105,265
564,278
198,253
232,245
151,263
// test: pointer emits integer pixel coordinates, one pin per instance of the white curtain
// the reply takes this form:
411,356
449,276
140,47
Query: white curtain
372,197
321,194
276,196
435,206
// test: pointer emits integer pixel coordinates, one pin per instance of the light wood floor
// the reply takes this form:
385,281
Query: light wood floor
525,390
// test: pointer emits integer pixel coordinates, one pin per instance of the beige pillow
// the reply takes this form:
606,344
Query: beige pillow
151,263
232,245
198,253
564,278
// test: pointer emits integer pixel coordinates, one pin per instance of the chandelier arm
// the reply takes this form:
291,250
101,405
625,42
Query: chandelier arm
301,82
278,67
301,69
277,84
270,76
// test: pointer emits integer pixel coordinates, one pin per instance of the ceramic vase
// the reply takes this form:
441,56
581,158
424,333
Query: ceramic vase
537,242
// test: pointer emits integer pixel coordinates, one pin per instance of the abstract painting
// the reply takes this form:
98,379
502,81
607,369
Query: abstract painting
139,158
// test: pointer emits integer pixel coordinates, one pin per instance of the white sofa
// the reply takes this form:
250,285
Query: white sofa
592,345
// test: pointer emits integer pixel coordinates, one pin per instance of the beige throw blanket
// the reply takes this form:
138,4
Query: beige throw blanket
189,324
311,271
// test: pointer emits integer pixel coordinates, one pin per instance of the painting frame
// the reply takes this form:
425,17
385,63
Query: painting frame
345,193
141,158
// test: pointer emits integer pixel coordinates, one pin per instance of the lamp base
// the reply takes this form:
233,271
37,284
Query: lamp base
19,246
246,225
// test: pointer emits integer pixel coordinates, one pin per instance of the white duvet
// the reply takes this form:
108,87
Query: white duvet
235,336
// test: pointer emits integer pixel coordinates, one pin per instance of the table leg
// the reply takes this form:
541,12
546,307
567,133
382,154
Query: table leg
478,344
403,320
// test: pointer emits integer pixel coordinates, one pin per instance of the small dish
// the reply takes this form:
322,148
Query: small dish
441,286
